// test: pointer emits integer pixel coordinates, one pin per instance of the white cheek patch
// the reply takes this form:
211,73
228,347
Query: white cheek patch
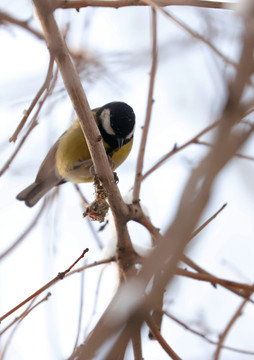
105,120
129,136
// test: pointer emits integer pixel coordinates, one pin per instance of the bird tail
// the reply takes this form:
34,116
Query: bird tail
34,192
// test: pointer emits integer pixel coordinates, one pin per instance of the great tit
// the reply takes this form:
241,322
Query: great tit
69,158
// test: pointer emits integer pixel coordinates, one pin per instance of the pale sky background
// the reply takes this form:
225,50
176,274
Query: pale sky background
189,94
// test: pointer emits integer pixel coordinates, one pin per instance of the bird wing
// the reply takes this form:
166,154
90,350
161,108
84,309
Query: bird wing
48,168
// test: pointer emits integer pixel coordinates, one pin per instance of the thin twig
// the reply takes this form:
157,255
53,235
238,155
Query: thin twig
232,321
27,112
204,336
60,276
26,232
89,223
18,321
22,141
96,263
96,298
17,318
4,17
190,31
25,312
78,4
81,195
215,280
197,231
241,156
200,270
176,149
81,305
160,338
141,153
33,124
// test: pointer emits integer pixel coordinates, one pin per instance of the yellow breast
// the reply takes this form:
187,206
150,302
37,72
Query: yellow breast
73,160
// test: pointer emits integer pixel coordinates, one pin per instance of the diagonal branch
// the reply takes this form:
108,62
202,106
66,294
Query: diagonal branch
192,204
204,336
59,51
44,87
161,340
179,148
229,326
4,17
194,34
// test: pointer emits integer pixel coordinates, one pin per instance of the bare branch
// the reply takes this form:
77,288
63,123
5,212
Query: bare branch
78,4
6,18
26,232
18,321
176,149
96,263
160,339
44,87
200,270
141,154
75,90
60,276
190,31
33,124
192,203
91,132
29,308
81,305
196,232
204,336
232,321
137,345
241,156
215,280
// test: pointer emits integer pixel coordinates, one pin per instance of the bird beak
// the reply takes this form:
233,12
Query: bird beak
120,142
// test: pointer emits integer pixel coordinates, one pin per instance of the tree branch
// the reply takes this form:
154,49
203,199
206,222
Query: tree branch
192,203
231,323
141,154
4,17
65,4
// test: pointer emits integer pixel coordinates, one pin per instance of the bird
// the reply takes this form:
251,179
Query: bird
69,158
